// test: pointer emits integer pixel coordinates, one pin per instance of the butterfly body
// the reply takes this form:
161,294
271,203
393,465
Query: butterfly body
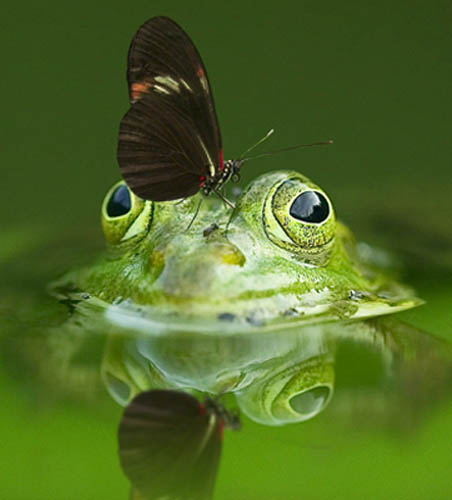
230,171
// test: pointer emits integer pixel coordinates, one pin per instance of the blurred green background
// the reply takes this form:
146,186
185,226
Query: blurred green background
373,76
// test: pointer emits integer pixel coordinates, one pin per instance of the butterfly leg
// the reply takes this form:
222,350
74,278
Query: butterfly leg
195,215
224,199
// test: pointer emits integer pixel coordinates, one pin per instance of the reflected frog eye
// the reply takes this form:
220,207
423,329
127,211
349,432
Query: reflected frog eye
124,215
296,393
299,217
310,402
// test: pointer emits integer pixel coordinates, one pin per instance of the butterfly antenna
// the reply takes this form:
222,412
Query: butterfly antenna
260,141
196,214
298,146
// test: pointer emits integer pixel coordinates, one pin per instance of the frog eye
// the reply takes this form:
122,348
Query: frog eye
299,217
119,203
310,206
124,215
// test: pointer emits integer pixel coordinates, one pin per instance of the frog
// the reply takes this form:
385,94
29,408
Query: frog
186,283
279,258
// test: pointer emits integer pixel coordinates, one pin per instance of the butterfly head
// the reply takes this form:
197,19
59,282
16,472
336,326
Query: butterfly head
233,168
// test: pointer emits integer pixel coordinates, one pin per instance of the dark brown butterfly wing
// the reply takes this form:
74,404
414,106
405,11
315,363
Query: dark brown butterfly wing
169,446
161,54
169,88
160,154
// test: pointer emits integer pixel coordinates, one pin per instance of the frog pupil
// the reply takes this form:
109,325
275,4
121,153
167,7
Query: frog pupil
310,206
119,203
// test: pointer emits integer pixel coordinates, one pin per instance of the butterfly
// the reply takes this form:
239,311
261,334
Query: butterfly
169,143
170,444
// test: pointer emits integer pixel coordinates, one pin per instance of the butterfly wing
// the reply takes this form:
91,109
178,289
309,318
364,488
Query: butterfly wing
169,447
160,153
169,89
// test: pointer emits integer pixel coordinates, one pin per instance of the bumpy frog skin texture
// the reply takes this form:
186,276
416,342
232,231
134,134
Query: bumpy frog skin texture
259,263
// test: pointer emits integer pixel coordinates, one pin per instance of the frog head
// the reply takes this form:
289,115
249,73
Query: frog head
279,256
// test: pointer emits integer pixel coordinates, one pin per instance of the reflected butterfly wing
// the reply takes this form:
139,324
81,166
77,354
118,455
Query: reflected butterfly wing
169,446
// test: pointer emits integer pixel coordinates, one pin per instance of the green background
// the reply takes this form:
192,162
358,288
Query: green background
373,76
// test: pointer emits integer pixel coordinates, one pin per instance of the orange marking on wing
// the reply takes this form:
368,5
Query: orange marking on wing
200,72
137,89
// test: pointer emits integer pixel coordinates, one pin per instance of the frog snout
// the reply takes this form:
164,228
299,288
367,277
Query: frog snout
198,271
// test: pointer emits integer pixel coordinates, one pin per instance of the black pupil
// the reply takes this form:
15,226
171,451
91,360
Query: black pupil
119,203
310,206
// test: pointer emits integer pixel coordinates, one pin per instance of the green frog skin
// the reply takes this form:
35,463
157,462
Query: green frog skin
265,262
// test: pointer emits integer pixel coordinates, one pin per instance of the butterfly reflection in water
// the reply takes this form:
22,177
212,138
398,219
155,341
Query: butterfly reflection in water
170,444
